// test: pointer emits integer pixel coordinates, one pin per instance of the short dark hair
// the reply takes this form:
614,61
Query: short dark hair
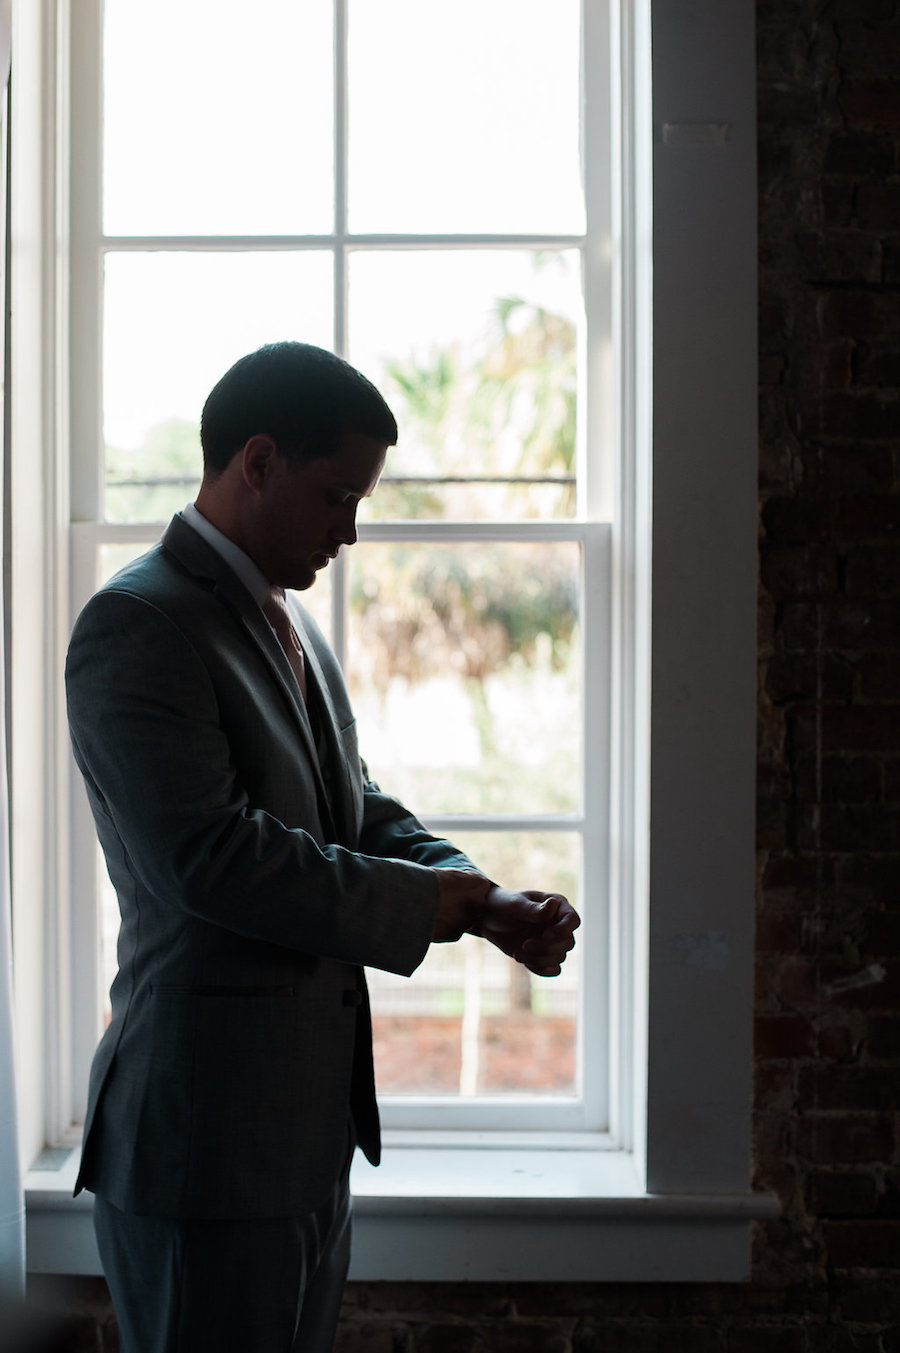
303,397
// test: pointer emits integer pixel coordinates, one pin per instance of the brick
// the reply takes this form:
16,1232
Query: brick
863,1244
866,879
855,624
799,624
773,779
859,1299
615,1337
770,368
879,675
852,313
774,321
796,983
845,1138
879,364
892,779
774,154
856,826
890,253
870,415
447,1339
783,106
840,779
845,469
372,1337
863,50
849,728
866,984
838,201
835,1043
863,11
807,676
881,935
827,366
848,1089
780,48
873,571
798,519
777,932
768,1339
883,1037
839,257
793,572
538,1336
773,1093
832,1339
876,209
782,1036
857,152
869,517
835,1194
889,1201
772,825
871,103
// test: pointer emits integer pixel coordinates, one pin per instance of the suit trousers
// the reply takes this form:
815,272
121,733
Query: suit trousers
267,1285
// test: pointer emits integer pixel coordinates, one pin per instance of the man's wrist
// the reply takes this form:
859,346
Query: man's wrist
479,908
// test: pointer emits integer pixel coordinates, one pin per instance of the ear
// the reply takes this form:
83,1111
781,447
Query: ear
258,460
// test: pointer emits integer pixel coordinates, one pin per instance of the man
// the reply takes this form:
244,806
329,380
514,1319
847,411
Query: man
257,870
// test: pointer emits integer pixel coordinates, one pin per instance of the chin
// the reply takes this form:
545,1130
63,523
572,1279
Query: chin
302,582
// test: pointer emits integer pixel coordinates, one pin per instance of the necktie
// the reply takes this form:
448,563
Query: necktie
276,612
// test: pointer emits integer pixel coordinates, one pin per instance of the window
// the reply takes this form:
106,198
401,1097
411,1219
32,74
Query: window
652,1123
447,255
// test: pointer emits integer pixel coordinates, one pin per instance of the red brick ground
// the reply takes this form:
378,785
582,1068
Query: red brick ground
421,1054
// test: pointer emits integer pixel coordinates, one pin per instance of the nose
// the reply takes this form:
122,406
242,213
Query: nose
345,532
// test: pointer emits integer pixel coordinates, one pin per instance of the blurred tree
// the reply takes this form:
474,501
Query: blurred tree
154,479
511,412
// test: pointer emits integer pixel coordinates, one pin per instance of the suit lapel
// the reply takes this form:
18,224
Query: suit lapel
331,733
211,569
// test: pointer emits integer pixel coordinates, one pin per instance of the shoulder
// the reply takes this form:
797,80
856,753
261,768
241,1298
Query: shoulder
151,600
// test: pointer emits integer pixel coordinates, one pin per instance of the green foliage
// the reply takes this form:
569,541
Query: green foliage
156,478
465,609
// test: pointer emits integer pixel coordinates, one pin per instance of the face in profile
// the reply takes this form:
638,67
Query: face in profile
305,511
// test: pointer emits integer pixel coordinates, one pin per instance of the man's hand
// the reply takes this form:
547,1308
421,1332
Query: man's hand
535,928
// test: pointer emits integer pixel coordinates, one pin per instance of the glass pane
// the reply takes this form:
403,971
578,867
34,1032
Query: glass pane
109,935
115,557
464,667
465,120
470,1021
317,600
476,352
173,324
218,120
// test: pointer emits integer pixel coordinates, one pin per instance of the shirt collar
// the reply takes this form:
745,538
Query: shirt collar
255,581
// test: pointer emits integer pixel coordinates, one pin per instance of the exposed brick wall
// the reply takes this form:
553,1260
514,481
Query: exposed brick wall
827,1274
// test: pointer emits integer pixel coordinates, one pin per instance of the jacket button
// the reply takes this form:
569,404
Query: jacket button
351,997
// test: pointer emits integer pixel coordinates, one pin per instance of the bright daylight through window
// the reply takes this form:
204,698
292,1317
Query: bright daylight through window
426,219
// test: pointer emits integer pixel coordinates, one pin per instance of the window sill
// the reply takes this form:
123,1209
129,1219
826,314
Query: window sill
477,1213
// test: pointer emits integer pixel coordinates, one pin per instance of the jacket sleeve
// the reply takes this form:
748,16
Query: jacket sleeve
168,799
390,829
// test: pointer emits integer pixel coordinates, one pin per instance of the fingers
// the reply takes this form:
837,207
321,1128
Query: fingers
545,954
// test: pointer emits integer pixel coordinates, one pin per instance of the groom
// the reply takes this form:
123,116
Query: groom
258,870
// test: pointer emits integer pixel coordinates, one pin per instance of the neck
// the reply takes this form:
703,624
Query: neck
221,514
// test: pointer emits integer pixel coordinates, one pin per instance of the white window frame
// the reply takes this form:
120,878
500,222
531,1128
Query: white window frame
669,1196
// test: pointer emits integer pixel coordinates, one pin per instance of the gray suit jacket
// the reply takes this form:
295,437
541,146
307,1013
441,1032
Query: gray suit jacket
255,876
